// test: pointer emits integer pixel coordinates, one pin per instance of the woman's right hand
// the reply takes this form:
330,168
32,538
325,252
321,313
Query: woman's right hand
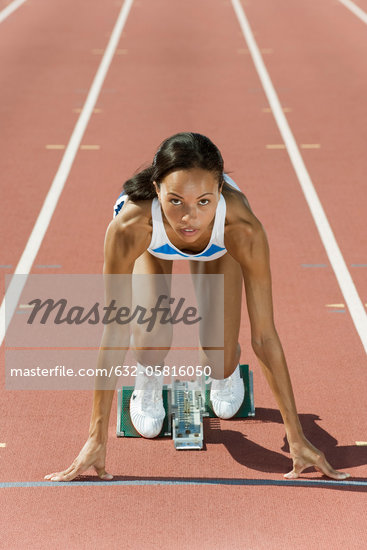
92,454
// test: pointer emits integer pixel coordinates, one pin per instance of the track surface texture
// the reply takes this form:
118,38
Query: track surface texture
185,66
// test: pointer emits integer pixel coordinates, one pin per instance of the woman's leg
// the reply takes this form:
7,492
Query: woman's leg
151,341
151,286
222,309
223,313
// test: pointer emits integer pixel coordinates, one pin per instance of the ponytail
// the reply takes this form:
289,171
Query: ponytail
140,187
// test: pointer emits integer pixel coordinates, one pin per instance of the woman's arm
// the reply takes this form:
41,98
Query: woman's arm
250,249
126,239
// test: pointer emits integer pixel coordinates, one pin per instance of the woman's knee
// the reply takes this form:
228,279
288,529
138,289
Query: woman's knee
231,360
222,362
151,348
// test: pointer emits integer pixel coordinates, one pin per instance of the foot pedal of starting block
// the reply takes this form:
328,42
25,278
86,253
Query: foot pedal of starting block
187,412
186,404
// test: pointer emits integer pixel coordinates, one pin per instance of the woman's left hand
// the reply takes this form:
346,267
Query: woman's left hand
305,455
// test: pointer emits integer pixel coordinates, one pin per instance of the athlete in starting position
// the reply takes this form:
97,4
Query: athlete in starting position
185,207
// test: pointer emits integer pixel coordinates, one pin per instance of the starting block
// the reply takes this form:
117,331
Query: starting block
186,404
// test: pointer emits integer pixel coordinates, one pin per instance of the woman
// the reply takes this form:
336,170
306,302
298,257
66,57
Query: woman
185,207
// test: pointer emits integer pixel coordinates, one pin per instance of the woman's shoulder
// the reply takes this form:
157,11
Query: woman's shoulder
131,229
238,210
133,215
242,227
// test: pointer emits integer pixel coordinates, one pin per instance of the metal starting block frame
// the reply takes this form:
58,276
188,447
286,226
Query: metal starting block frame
186,404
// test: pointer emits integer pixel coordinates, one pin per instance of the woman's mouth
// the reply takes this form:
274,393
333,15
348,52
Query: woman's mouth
188,231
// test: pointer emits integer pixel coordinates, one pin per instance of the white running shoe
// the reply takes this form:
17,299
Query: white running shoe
227,395
146,404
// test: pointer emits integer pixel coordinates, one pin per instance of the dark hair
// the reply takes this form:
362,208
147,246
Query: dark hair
179,152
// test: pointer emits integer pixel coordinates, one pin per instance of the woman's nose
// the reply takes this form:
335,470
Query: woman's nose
190,213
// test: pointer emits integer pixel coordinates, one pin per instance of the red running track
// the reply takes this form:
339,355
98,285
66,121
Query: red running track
183,66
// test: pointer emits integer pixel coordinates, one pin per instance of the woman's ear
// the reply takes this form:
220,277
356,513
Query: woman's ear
156,187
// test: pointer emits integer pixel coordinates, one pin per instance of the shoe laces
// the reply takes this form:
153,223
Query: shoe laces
224,386
152,393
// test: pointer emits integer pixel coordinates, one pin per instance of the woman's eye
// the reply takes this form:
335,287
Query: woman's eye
204,202
175,202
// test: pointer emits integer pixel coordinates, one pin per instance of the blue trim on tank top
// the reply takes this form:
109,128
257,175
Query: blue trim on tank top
121,204
214,248
167,249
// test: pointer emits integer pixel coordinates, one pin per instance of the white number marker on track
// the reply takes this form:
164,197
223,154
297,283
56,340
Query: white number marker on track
40,227
335,256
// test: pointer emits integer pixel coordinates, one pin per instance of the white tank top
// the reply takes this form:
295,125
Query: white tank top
160,245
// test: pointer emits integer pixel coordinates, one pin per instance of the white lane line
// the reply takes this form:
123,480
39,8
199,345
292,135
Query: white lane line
335,256
355,9
10,8
40,227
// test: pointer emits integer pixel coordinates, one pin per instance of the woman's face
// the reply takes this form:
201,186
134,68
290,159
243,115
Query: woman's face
189,200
